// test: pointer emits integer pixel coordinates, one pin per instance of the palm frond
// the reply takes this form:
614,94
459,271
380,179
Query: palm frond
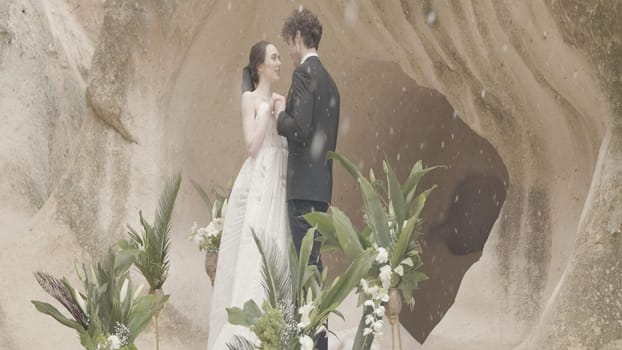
154,241
241,343
276,279
203,195
57,289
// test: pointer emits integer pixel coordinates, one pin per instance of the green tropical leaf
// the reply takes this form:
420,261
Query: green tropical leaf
346,163
244,317
416,173
416,206
367,237
399,252
203,195
362,342
303,257
351,278
376,215
123,260
346,234
50,310
325,226
142,311
396,197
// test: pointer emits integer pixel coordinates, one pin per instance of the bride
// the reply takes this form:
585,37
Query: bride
257,199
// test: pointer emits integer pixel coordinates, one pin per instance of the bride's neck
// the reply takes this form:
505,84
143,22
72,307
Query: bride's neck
264,89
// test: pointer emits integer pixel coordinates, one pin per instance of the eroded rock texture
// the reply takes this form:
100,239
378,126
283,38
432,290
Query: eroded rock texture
100,102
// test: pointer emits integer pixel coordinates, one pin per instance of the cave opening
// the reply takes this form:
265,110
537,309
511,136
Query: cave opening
385,113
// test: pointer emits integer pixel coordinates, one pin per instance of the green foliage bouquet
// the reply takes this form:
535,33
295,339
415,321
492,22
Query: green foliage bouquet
393,227
108,313
298,301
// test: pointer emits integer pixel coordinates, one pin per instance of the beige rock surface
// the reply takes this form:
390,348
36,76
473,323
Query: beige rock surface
99,103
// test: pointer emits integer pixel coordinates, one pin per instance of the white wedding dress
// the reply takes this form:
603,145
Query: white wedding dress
257,202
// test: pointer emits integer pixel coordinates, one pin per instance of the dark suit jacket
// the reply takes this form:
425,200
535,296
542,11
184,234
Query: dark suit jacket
310,123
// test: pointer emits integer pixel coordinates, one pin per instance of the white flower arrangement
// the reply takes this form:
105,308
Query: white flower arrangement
208,237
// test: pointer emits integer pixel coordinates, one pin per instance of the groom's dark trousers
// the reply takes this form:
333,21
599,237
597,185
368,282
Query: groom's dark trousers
299,227
310,122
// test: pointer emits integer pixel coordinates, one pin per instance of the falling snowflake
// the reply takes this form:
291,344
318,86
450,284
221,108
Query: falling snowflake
318,144
430,18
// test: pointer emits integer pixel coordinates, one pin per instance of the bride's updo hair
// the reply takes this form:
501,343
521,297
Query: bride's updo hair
250,76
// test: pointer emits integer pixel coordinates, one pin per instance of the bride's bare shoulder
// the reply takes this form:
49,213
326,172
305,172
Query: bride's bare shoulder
248,101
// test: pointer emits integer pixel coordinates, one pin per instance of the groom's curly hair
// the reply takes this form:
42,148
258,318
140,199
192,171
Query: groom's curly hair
305,21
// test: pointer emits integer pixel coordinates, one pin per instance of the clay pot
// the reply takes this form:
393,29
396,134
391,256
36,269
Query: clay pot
394,306
211,262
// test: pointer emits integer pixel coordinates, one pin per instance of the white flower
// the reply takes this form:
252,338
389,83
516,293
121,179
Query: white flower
304,312
306,343
385,276
379,311
203,232
364,284
138,291
399,270
377,326
369,303
124,289
369,319
197,239
407,261
320,329
80,301
384,298
373,291
218,224
115,342
367,331
194,228
383,256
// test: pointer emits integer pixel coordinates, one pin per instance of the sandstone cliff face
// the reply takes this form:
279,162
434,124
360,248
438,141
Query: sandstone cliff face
100,102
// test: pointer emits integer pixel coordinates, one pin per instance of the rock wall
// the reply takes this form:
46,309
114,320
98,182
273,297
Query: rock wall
103,101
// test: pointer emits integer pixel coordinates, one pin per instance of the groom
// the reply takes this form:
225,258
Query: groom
309,120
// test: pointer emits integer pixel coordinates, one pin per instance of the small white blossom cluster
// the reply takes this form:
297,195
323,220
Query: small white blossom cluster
208,237
386,274
306,342
377,296
122,332
290,331
117,340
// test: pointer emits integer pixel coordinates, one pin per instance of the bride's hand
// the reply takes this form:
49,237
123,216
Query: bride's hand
278,104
